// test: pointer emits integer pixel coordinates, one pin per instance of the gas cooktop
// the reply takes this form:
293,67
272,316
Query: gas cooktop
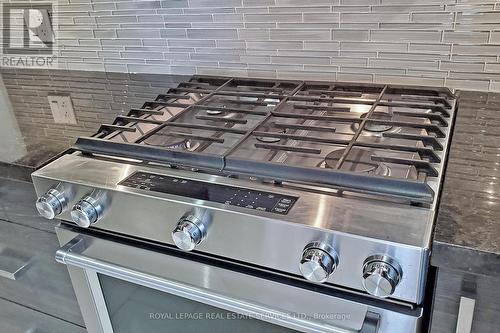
334,182
377,139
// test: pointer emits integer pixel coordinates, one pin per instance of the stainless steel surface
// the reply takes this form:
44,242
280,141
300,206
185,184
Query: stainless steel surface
52,203
335,220
318,262
89,209
267,300
381,275
191,229
101,310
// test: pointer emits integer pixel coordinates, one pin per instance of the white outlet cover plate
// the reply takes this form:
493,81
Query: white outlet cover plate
38,23
62,109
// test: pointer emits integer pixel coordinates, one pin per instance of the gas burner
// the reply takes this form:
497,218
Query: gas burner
358,160
220,113
267,139
216,112
372,129
169,142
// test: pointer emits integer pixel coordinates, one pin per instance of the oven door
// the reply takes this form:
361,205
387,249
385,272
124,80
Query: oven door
124,288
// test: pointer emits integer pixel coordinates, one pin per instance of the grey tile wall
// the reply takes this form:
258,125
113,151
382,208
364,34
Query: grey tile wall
431,42
97,98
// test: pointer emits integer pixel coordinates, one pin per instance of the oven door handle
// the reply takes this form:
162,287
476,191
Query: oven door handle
282,304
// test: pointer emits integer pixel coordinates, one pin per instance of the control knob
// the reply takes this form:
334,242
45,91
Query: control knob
318,262
381,275
191,229
52,203
87,211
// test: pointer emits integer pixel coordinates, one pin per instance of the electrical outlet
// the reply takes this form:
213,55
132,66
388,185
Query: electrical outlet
38,23
62,109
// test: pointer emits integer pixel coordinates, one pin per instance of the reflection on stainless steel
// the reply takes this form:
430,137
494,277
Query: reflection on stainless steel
276,181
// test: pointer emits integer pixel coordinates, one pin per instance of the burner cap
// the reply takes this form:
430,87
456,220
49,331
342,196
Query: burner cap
170,142
376,127
268,139
358,160
213,112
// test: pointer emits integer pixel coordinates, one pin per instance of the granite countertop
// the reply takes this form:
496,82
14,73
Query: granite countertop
34,157
467,231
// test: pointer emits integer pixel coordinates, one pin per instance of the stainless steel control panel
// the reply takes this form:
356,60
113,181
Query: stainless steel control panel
228,195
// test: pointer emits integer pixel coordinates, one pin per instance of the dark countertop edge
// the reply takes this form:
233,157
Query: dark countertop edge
449,255
24,167
465,259
16,171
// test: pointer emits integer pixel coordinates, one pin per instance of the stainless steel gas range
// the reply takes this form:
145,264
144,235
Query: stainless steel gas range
256,205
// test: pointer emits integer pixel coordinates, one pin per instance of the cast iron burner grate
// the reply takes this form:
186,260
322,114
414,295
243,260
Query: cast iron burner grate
288,130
